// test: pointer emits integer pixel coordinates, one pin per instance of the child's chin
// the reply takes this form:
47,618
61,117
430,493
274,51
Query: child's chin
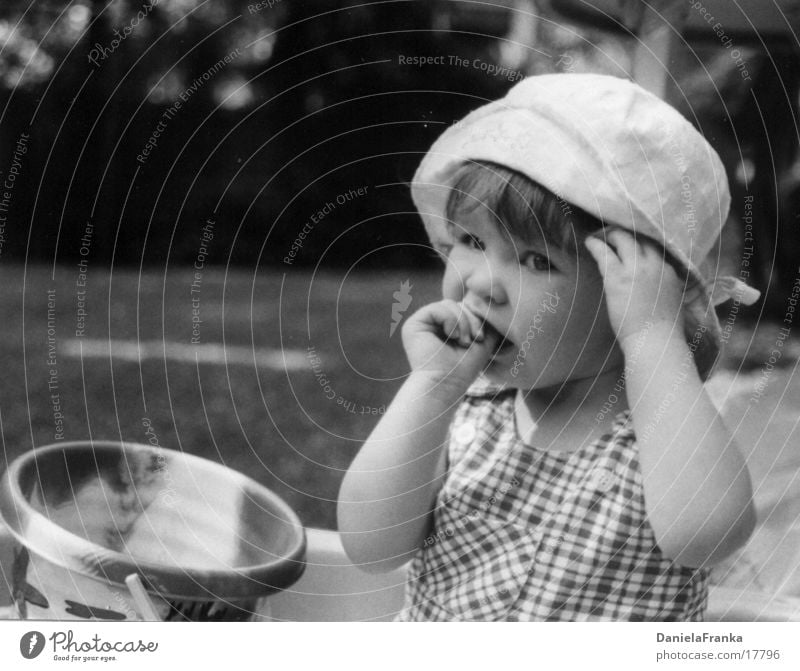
509,372
499,371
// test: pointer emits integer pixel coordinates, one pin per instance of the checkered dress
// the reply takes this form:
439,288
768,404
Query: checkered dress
522,533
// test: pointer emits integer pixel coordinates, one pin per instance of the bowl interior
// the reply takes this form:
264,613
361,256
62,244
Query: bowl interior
160,506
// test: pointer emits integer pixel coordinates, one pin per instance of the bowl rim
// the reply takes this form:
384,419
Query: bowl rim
90,559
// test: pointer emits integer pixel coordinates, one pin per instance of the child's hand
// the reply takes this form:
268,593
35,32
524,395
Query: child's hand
447,339
641,289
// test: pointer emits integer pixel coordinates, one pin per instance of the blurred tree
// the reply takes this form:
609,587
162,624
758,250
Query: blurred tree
286,105
91,79
271,93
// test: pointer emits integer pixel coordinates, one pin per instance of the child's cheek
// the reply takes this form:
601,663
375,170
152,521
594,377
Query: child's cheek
452,283
589,316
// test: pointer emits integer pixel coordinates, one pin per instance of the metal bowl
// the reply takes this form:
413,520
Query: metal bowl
206,541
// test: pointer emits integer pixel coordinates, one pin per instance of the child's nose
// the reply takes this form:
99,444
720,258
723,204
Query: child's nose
485,284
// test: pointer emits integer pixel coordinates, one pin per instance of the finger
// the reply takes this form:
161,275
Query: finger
602,236
650,247
467,326
456,323
624,243
602,253
475,322
441,319
449,326
488,337
654,259
653,256
656,253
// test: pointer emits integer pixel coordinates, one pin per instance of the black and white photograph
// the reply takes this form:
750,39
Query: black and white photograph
391,311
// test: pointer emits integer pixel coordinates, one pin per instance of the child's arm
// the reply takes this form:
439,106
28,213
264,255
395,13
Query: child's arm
696,484
388,492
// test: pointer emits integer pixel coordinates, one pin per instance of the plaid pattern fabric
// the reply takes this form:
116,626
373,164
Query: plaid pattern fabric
521,533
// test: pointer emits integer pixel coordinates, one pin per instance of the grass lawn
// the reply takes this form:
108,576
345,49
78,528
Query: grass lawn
280,426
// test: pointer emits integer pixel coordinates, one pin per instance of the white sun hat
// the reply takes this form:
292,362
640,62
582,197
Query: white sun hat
606,145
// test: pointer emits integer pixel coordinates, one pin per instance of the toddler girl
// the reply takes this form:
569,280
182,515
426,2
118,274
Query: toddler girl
552,454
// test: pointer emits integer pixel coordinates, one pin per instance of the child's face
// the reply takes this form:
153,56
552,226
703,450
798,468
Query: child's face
547,303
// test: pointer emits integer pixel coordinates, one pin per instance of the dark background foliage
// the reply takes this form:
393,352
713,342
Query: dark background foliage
322,108
316,103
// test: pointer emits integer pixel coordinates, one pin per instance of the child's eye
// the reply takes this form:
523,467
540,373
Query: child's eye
472,241
534,261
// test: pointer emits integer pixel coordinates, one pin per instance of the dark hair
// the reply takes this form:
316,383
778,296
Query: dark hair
534,214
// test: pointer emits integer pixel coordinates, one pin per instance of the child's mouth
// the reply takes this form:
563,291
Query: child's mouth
503,344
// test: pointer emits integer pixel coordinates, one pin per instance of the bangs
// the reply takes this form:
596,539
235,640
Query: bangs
522,207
